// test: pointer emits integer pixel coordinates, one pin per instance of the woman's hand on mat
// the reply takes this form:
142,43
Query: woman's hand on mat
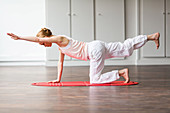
13,36
55,81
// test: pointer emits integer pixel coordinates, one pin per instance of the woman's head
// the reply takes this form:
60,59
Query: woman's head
45,33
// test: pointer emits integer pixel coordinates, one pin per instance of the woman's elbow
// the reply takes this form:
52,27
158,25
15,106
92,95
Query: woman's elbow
37,39
60,62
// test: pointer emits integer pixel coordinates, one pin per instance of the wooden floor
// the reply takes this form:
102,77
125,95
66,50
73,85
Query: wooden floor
17,95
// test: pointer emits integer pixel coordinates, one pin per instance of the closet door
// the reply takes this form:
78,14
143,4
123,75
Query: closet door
153,21
168,28
82,21
58,20
110,20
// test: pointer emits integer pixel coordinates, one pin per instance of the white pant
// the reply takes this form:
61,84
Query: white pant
98,51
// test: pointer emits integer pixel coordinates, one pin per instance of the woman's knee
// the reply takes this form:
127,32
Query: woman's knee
95,79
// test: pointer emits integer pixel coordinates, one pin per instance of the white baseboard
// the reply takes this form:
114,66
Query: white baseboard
154,61
21,58
22,63
86,63
144,61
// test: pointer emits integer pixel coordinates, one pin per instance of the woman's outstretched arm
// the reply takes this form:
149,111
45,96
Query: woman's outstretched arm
31,38
27,38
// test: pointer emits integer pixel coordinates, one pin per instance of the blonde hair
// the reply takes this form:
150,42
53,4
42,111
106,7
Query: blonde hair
44,32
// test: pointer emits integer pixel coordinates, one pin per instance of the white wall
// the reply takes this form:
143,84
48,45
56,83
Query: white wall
130,21
22,17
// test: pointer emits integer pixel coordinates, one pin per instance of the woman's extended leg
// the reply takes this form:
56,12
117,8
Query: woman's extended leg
119,49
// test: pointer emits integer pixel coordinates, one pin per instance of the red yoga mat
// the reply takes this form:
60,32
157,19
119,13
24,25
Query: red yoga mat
84,83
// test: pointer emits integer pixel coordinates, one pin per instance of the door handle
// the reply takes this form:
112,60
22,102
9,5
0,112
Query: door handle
99,14
74,14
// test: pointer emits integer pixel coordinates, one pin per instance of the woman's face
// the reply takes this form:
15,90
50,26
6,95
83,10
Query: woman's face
46,44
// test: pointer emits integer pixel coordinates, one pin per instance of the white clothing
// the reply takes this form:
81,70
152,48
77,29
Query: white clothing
75,49
98,51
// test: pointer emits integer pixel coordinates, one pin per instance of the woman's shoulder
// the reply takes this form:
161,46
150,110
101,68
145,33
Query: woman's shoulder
64,36
60,37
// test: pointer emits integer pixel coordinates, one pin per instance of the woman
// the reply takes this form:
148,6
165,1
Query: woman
95,51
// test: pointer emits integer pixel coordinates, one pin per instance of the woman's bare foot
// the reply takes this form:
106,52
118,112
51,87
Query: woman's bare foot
155,38
125,74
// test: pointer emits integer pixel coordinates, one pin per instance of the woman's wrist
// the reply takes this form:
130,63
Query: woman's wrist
58,79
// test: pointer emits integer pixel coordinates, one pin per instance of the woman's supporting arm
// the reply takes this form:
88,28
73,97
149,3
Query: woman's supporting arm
60,67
